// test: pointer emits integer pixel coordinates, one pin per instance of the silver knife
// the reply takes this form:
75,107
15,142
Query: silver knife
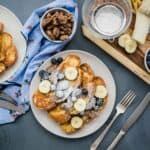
131,120
10,106
4,96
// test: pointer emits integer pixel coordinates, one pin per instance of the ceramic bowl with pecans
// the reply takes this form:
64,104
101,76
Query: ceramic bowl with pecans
57,25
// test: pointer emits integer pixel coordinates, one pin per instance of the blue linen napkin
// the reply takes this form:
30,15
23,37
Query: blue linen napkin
38,50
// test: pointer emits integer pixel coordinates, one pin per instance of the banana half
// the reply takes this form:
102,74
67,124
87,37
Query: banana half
129,44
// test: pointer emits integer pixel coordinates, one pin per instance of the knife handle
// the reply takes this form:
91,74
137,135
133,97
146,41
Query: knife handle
116,140
10,106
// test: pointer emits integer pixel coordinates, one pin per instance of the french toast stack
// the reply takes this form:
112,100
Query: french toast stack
8,51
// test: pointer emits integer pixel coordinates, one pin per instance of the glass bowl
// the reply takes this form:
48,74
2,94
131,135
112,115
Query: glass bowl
102,27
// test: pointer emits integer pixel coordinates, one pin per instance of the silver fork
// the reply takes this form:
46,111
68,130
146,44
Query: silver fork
120,109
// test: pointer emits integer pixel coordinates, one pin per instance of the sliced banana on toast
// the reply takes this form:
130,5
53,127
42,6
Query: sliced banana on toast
71,73
44,86
76,122
6,41
101,91
80,105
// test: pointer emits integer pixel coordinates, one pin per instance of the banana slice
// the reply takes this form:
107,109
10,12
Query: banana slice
101,91
80,105
122,39
130,46
71,73
44,86
76,122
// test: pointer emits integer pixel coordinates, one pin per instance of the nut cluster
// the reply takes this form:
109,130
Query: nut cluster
58,25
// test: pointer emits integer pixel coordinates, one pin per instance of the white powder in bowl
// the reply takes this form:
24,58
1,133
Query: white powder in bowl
109,19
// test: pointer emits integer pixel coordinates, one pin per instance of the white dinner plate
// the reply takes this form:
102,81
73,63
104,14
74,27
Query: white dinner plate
100,69
13,26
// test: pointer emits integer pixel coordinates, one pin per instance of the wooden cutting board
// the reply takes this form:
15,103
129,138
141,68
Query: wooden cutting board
134,62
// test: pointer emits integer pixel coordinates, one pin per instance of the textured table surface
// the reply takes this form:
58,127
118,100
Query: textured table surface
27,134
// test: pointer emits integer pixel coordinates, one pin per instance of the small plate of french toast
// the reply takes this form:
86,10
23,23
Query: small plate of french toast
12,44
72,94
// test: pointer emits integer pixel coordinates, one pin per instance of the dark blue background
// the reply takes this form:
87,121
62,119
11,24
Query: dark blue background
27,134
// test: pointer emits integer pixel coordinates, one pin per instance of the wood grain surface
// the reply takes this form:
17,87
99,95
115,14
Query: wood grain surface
134,62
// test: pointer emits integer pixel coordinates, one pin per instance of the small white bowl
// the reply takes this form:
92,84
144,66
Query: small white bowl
145,60
53,10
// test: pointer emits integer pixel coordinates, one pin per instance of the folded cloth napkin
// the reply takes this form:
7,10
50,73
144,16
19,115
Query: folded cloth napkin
38,50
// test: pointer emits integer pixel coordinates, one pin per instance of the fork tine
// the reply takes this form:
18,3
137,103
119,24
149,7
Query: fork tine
125,96
128,98
130,101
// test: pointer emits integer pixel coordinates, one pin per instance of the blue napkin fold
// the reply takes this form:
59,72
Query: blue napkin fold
38,50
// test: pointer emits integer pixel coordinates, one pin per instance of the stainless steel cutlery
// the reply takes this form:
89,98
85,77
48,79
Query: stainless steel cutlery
131,120
120,109
13,107
9,103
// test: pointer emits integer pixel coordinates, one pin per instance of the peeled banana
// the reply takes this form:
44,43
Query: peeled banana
130,46
76,122
127,43
122,39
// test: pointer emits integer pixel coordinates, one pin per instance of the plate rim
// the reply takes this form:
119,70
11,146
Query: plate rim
67,136
12,13
20,27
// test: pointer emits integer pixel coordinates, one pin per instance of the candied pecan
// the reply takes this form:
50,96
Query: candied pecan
46,21
56,32
69,31
64,20
55,21
64,37
56,14
49,27
50,34
69,25
62,32
49,15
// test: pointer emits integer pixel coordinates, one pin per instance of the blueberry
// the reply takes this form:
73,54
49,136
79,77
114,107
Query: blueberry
44,75
84,92
59,60
99,102
54,61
